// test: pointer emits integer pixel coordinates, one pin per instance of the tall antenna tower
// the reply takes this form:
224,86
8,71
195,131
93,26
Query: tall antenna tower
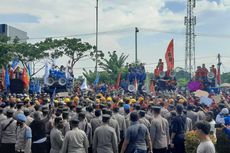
190,22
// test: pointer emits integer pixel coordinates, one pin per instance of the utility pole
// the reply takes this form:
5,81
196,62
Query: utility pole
190,22
136,31
218,70
96,67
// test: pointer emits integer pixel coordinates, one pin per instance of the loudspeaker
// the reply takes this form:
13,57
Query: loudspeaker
16,86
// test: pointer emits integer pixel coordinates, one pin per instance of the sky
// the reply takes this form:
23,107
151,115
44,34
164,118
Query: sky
158,21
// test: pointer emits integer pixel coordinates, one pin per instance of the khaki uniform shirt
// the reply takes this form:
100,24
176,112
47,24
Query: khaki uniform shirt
9,135
159,132
105,140
114,124
56,140
121,121
75,141
23,139
95,122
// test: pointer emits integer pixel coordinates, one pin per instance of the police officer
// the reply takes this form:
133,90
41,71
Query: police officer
105,139
56,136
7,133
75,140
23,135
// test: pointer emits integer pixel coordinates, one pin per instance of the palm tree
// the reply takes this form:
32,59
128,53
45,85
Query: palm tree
114,64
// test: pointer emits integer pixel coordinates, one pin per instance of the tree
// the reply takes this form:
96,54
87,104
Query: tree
74,48
6,55
225,77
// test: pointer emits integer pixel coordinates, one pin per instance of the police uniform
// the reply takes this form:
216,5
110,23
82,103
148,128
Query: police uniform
23,136
95,122
8,135
105,139
56,139
114,124
75,141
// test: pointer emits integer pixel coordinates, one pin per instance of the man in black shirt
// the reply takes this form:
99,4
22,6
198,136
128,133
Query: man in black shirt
178,131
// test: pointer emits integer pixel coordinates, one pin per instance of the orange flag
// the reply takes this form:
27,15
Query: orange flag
169,56
25,78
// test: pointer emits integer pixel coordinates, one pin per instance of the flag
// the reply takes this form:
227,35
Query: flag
25,78
169,56
136,84
14,64
53,97
29,69
7,78
46,73
118,81
96,81
84,85
152,88
3,77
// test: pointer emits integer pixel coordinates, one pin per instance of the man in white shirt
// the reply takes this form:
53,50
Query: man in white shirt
206,145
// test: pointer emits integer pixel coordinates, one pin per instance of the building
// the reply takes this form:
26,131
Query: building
12,32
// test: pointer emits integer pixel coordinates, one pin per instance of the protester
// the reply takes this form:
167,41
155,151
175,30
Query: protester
136,137
206,145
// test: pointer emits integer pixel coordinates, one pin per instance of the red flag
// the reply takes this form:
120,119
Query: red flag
25,78
118,81
3,76
169,56
136,84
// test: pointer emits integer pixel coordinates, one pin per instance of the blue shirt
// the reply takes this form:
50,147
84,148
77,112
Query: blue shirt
137,136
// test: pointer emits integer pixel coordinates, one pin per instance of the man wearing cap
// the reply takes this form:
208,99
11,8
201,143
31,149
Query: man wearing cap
121,121
56,136
96,122
143,120
105,139
220,117
137,135
19,110
23,135
7,133
159,131
75,140
28,118
178,127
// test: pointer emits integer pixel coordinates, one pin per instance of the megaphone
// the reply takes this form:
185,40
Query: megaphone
131,88
62,81
50,81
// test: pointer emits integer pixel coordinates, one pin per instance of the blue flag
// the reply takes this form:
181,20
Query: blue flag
7,79
96,81
53,97
15,64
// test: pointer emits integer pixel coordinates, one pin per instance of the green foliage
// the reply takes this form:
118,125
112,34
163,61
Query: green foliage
74,48
225,77
111,68
182,76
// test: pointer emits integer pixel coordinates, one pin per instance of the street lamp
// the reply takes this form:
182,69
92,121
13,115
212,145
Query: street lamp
96,37
136,31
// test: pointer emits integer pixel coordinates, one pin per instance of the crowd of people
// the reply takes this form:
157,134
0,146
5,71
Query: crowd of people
88,123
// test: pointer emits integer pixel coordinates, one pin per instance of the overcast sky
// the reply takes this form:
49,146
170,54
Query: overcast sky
118,18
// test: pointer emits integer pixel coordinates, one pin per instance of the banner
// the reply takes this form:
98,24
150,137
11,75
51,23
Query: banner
169,56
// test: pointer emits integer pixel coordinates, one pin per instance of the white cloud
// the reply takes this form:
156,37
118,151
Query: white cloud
67,17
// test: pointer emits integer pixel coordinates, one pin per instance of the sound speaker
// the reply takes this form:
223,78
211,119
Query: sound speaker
16,86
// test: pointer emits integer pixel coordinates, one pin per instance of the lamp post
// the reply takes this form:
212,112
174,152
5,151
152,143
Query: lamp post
96,70
136,31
